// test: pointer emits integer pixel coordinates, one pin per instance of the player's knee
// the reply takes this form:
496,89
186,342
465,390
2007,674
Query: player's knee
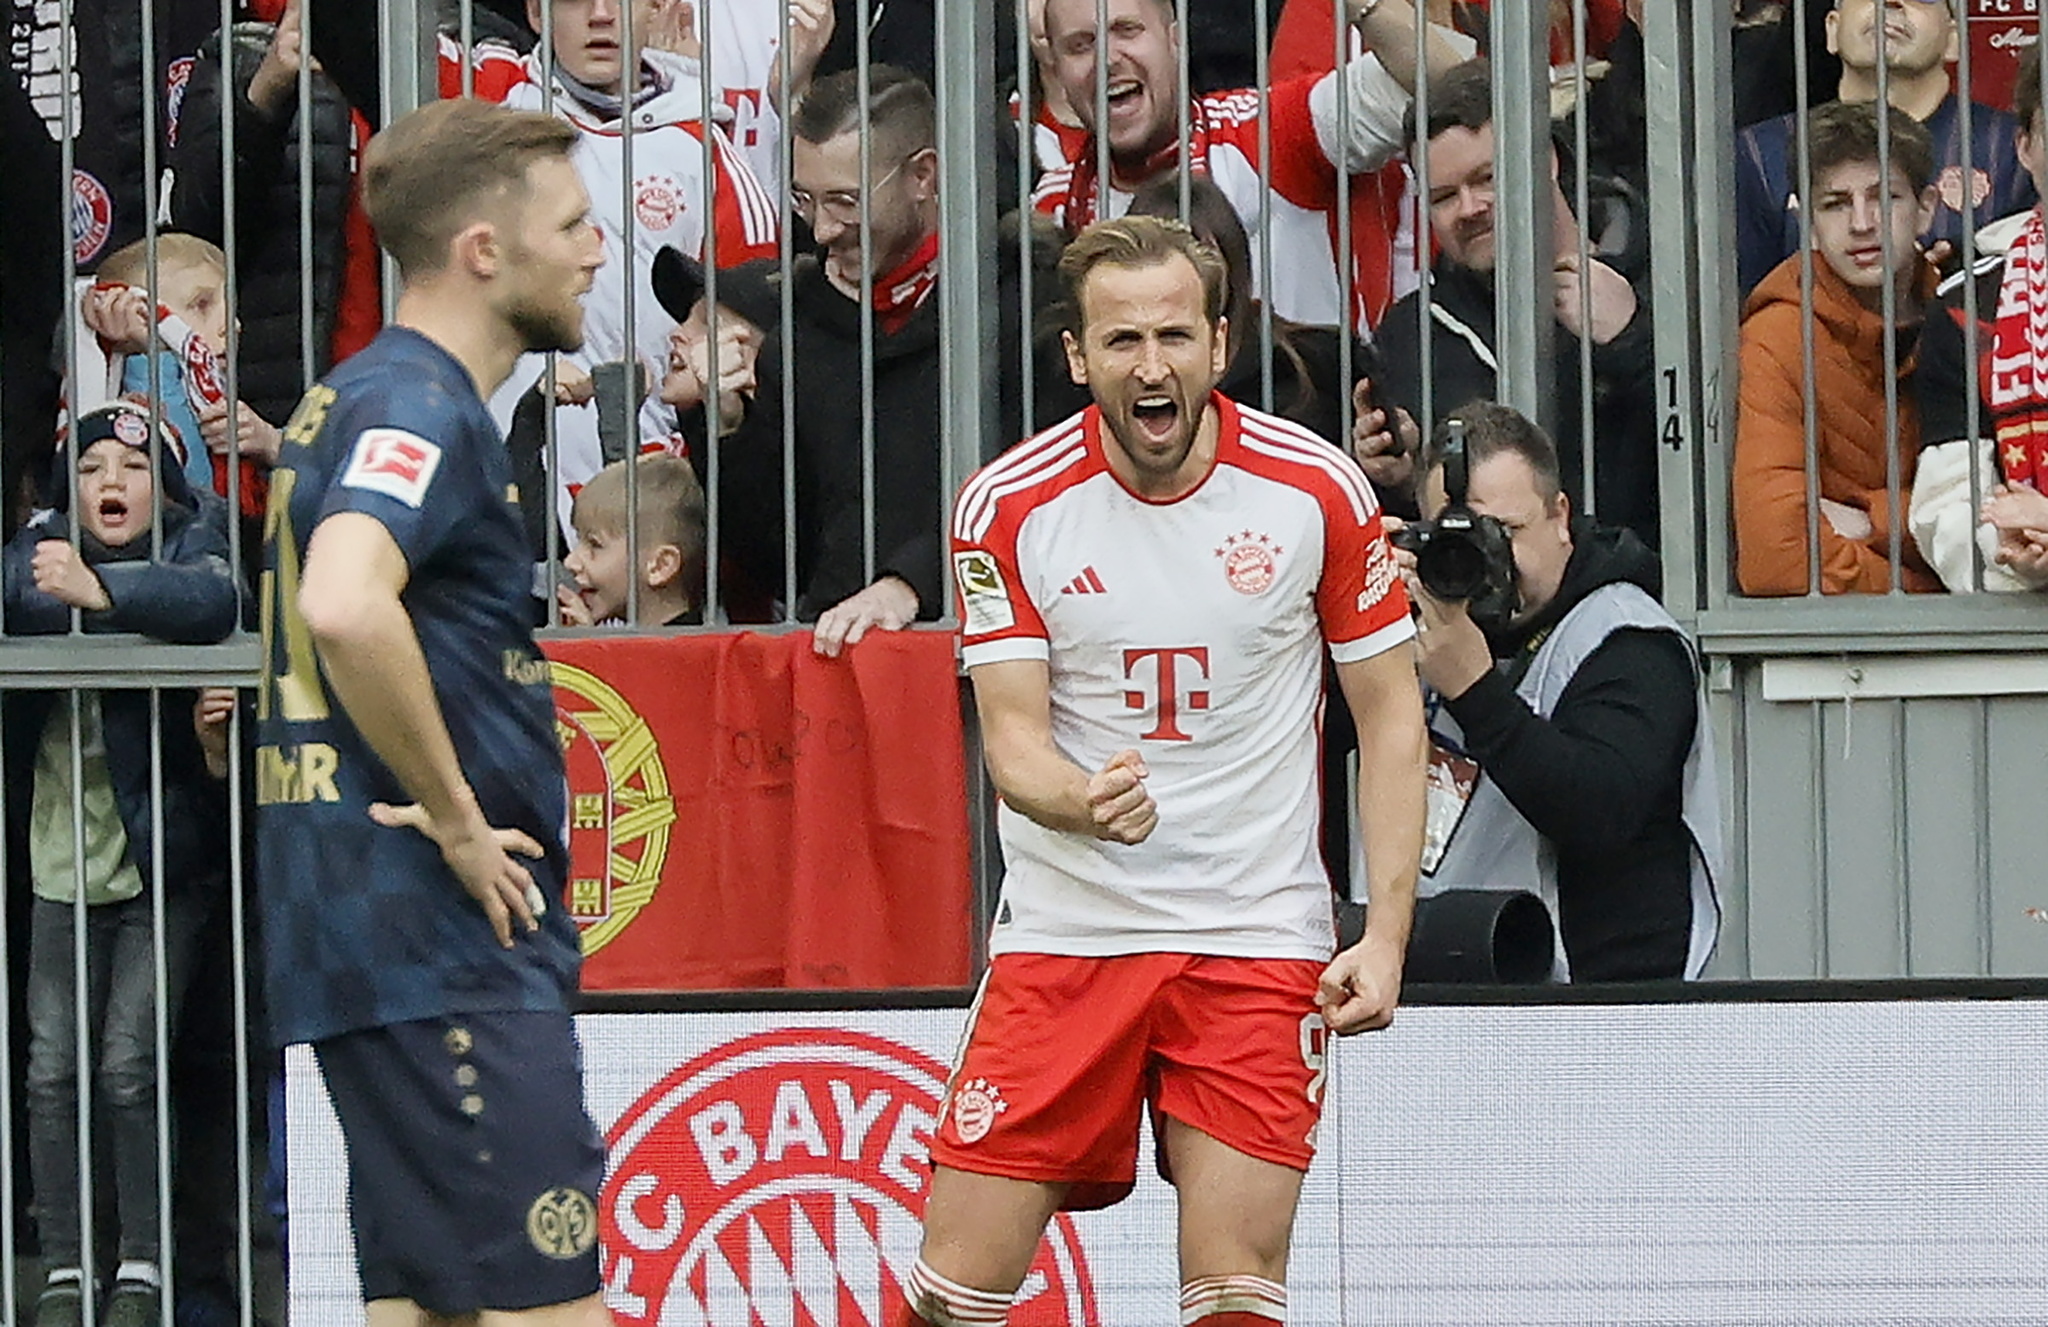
1232,1301
936,1301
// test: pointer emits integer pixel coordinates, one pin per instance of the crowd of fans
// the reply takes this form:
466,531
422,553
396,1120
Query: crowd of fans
767,300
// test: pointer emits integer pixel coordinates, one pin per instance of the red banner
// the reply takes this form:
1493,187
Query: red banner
744,813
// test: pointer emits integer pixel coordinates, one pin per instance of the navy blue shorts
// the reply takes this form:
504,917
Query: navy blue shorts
473,1168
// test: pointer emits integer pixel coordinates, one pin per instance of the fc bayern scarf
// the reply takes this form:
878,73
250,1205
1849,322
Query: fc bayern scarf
2019,359
901,292
1084,197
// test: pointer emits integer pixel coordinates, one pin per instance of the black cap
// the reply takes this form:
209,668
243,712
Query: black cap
129,423
752,290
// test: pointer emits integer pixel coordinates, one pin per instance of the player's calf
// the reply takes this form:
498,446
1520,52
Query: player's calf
1232,1301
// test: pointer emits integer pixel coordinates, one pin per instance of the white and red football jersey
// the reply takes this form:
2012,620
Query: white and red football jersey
1302,124
1313,138
1193,631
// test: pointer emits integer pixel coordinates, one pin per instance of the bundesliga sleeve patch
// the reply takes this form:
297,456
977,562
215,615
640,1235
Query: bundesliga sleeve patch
393,462
984,598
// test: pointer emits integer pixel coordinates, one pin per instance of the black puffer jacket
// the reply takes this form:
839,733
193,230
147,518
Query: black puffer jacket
267,214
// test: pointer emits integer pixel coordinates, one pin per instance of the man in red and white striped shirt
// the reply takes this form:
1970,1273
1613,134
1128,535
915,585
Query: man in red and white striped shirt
1316,128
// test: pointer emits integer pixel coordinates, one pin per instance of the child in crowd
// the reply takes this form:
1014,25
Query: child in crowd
117,579
671,547
187,333
1866,230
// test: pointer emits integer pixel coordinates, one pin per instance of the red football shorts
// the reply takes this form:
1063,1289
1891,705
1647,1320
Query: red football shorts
1063,1054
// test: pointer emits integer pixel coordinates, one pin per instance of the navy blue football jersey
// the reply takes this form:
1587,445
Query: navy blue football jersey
366,926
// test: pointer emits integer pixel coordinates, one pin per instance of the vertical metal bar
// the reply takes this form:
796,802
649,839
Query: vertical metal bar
629,88
551,500
1888,294
1687,318
409,76
1103,159
1817,758
864,59
712,137
1183,113
161,1008
238,940
154,278
1980,803
67,72
1027,163
785,259
969,366
81,1012
1809,399
231,290
1582,200
309,357
1347,267
1525,325
1425,232
467,20
1265,236
1972,398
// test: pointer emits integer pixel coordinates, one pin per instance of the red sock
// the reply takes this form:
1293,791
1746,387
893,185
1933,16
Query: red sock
956,1305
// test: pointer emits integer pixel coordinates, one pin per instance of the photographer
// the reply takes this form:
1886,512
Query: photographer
1557,674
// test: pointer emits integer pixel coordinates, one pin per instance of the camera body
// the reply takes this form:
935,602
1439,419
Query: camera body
1462,556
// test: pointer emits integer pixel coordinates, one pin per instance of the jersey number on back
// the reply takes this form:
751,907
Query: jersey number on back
296,689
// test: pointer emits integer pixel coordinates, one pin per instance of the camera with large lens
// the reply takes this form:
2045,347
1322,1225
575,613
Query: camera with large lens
1462,556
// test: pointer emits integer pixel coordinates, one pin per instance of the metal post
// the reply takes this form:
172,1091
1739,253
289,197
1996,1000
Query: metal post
1525,328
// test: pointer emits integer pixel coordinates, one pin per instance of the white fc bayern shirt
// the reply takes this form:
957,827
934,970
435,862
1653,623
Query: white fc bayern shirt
1192,630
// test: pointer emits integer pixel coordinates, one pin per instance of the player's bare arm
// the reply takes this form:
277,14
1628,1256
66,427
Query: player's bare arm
353,578
1013,698
1363,983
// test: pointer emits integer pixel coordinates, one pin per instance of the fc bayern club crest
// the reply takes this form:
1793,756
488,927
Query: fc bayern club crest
1250,561
657,201
779,1179
92,215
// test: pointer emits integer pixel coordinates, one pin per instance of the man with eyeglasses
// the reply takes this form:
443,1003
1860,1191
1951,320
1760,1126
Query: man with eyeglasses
1920,40
877,238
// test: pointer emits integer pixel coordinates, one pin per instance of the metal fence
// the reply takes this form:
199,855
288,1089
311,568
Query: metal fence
1878,750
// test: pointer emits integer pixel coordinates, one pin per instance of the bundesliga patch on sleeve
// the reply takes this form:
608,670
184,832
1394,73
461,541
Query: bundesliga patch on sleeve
984,598
393,462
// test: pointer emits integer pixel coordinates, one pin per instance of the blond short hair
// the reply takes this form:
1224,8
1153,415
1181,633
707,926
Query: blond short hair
129,264
671,504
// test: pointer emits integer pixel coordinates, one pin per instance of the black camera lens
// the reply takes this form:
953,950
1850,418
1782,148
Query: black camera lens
1454,566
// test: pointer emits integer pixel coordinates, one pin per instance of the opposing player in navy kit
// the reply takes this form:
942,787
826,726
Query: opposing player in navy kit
409,778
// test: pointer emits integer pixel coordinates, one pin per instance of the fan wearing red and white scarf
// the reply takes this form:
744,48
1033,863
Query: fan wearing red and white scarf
902,291
1083,201
2018,388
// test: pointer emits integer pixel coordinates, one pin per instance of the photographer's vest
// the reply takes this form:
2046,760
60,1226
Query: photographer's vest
1493,847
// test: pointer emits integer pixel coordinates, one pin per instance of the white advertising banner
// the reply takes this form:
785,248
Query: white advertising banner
1861,1164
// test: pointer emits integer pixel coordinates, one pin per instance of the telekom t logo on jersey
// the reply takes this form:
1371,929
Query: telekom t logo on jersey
1160,667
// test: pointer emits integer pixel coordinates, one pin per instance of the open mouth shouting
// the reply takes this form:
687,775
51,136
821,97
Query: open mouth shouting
1157,416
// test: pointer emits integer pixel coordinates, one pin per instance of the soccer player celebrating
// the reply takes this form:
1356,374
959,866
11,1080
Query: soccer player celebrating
1146,591
410,784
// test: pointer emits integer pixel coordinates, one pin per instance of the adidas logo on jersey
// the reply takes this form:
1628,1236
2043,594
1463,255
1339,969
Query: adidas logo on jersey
1086,583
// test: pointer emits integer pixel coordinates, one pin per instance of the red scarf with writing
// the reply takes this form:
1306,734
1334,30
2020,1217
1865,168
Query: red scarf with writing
1084,199
2019,359
900,293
